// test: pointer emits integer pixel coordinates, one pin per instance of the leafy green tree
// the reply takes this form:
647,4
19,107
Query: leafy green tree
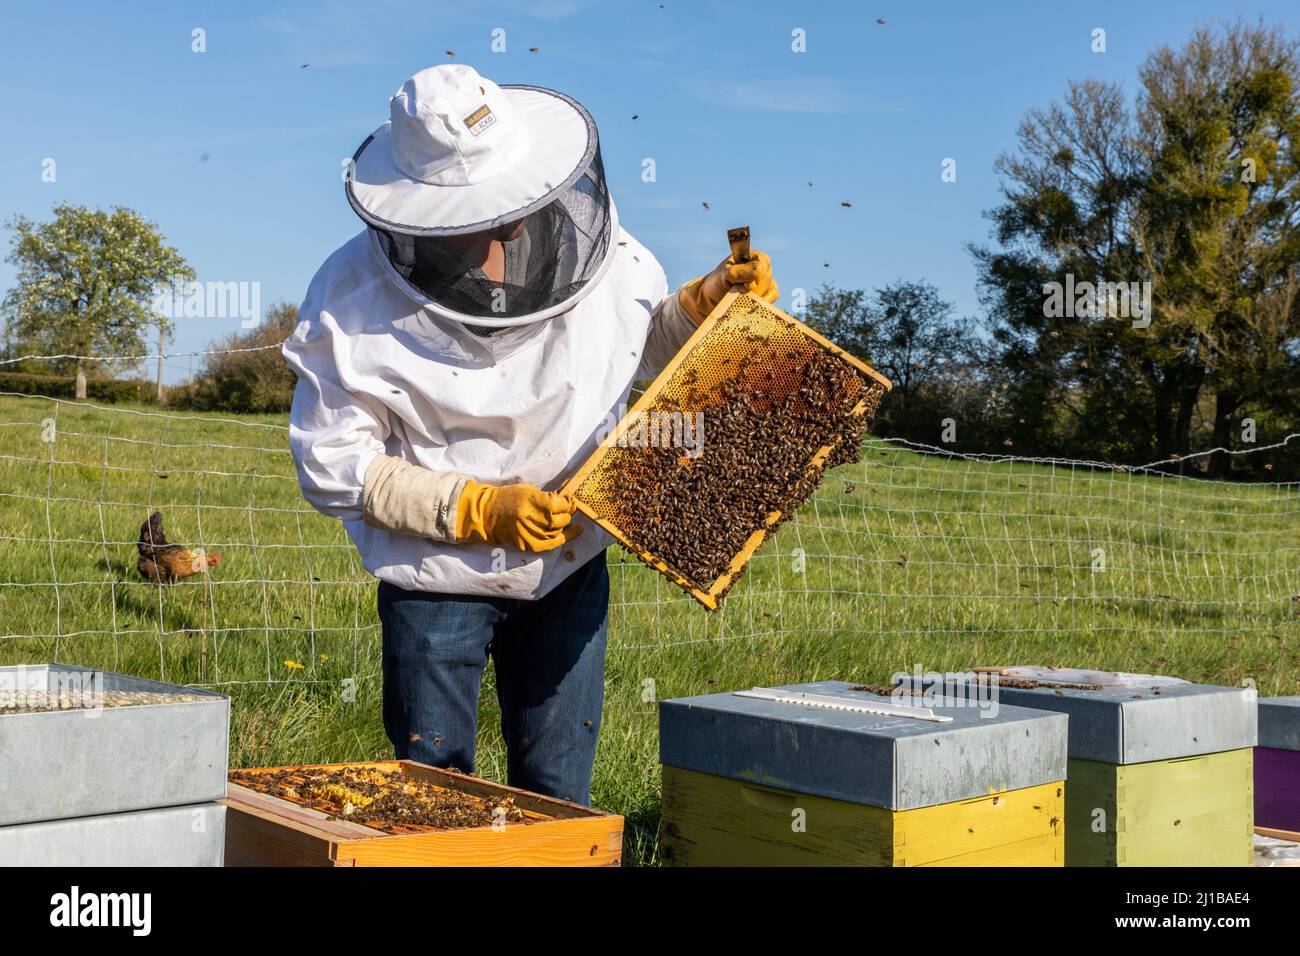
84,284
1070,191
1219,220
844,316
907,331
1193,189
247,373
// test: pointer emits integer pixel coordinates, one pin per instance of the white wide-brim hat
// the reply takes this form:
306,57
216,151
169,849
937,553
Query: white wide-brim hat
460,154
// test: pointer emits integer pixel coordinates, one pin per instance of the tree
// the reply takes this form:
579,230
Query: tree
84,284
1193,190
1070,190
1218,220
907,332
250,375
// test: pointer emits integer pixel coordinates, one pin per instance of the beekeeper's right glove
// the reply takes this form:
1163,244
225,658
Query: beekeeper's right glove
515,516
701,296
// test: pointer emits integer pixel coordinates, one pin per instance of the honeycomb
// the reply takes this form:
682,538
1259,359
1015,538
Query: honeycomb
726,443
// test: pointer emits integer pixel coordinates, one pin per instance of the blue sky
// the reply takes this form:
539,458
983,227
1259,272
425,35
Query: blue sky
236,152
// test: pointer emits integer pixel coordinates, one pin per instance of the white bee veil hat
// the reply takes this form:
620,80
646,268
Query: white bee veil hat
461,157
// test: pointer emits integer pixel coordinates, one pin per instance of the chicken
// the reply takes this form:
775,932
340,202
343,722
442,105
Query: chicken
164,563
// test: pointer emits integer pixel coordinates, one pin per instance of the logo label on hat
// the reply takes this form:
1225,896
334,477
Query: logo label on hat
480,119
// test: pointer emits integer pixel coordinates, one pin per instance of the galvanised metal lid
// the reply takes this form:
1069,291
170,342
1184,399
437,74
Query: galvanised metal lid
884,760
1133,721
1279,723
115,743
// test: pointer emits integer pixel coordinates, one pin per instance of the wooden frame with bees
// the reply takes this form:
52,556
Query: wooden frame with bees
714,353
264,830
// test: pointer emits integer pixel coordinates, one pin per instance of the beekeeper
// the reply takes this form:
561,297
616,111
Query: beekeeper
455,360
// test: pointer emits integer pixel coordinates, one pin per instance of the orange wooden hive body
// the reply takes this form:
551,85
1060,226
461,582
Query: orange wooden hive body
262,830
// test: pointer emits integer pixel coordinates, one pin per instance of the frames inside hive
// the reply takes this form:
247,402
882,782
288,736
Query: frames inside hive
386,800
726,443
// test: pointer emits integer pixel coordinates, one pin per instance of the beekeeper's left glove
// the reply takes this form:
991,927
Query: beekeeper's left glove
701,296
516,516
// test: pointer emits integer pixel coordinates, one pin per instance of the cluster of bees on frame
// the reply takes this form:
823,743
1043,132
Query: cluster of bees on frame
763,425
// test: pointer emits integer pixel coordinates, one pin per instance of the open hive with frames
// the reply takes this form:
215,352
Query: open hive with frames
402,813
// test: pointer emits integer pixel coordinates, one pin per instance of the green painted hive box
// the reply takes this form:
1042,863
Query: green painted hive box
803,775
1160,769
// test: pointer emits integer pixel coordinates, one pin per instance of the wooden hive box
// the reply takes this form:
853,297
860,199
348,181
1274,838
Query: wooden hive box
1277,766
263,830
759,782
1160,770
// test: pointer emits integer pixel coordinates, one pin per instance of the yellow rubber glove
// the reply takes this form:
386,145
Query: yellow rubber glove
701,296
515,516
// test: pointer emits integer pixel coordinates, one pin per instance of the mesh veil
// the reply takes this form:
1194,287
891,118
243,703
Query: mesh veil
560,250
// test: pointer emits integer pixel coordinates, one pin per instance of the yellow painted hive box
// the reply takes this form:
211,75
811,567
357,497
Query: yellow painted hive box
836,774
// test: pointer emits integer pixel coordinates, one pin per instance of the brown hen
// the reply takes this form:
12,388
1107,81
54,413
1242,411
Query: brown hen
164,563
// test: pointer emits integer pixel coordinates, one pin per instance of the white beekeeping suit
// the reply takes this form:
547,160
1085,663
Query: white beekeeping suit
417,373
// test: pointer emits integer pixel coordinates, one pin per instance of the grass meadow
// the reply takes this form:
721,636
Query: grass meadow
900,561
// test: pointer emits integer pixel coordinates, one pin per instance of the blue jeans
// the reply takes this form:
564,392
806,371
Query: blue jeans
549,657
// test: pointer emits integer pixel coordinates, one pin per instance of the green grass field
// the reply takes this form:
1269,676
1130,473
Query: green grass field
904,560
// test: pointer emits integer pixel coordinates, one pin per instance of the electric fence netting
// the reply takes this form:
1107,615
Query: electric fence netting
1008,558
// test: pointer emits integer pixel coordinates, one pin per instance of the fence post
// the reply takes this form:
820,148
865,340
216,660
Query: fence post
160,362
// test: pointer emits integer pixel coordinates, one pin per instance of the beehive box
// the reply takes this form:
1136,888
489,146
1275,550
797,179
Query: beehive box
778,404
166,836
119,743
1277,765
1160,770
759,782
264,830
